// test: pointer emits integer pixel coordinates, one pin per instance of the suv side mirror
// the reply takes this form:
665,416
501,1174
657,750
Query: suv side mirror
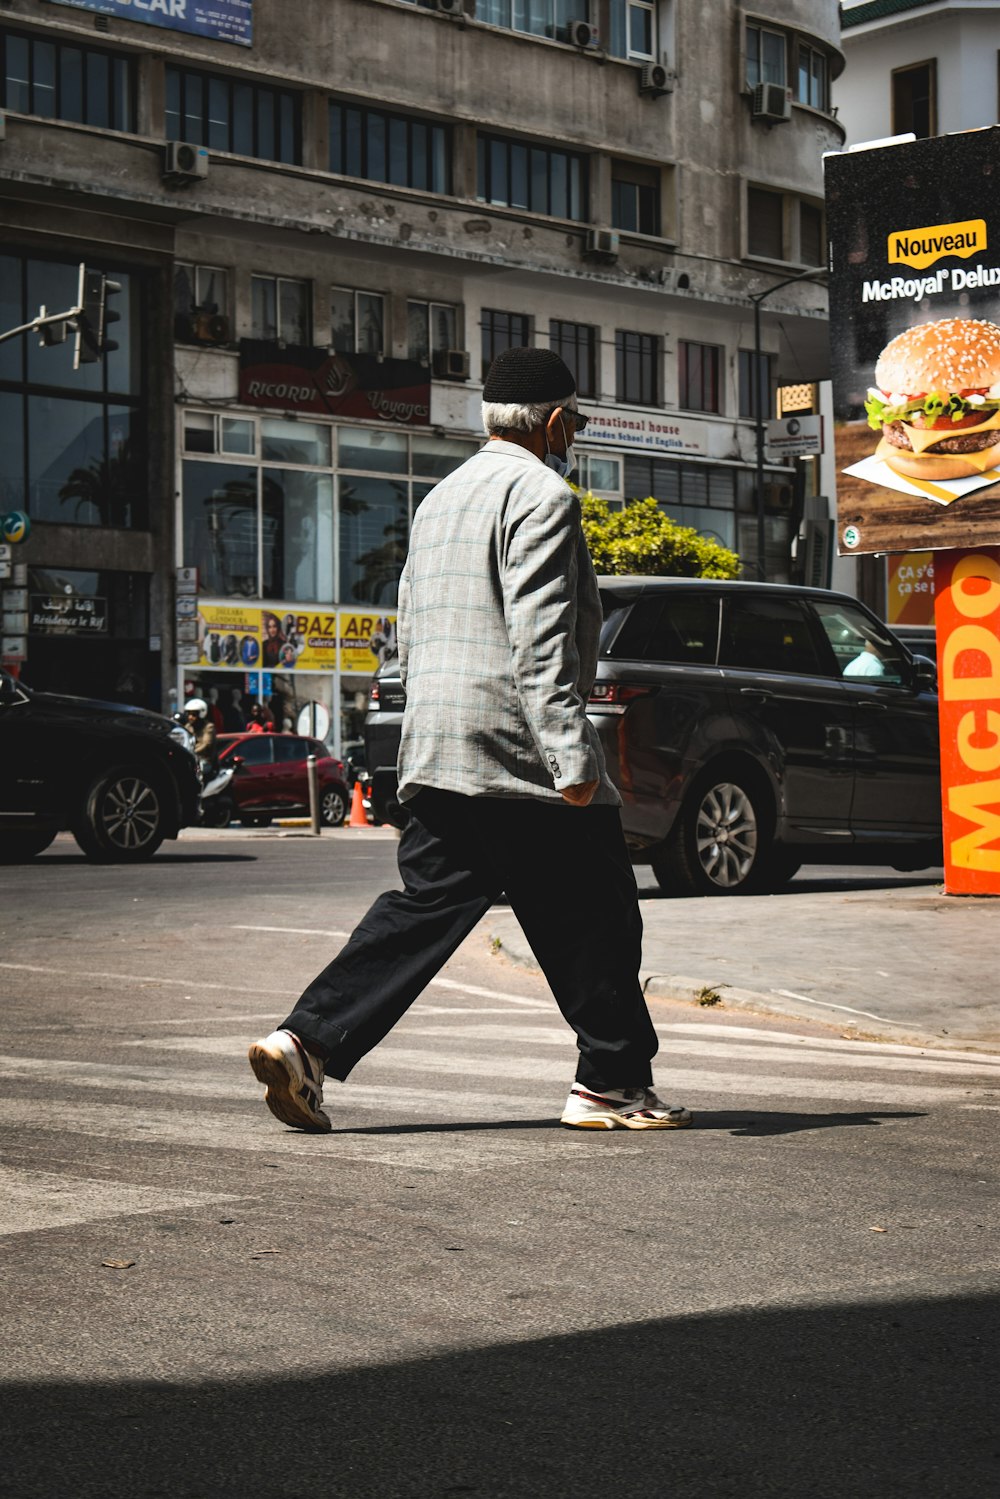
8,690
924,674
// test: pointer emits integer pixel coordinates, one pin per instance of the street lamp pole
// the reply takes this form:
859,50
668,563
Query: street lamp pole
757,298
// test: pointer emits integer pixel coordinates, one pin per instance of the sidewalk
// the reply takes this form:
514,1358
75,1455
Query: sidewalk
882,956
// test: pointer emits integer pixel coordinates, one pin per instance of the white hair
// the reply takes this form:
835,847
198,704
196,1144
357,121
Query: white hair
500,417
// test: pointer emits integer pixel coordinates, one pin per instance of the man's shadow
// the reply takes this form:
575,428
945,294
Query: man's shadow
739,1123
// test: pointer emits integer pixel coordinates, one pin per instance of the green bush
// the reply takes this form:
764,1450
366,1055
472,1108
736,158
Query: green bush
641,540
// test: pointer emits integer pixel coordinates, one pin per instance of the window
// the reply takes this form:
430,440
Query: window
226,114
357,321
861,647
73,448
766,56
62,82
431,328
281,310
576,344
390,148
637,368
549,18
532,177
698,368
201,301
602,476
765,223
683,630
707,496
769,634
812,241
500,331
633,28
635,198
914,99
812,86
756,381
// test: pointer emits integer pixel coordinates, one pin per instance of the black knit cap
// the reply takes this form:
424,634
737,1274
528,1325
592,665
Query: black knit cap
521,377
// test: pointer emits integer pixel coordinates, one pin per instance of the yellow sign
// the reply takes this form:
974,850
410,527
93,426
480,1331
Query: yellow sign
292,638
922,247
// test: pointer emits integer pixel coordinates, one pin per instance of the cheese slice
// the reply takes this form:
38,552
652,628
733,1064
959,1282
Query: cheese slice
922,438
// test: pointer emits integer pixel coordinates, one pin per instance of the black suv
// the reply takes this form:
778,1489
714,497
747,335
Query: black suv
120,778
750,728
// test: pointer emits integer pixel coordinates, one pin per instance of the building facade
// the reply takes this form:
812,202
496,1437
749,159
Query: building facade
324,226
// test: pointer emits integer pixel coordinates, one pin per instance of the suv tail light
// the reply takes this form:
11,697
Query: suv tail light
615,697
373,696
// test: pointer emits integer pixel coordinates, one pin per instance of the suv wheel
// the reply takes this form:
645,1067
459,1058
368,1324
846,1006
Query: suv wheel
332,807
19,844
123,817
719,846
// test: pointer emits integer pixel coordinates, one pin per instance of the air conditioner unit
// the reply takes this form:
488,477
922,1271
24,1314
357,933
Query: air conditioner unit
183,162
601,244
449,7
583,34
771,101
451,364
210,328
778,497
655,79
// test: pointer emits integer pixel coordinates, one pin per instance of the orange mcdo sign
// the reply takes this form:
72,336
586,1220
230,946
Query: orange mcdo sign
967,611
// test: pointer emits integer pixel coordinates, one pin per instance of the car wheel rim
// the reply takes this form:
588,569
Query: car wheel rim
726,835
332,807
130,813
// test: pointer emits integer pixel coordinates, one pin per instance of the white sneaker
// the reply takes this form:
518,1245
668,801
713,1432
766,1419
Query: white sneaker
621,1108
294,1079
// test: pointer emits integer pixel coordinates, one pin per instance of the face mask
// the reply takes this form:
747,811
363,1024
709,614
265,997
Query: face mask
562,466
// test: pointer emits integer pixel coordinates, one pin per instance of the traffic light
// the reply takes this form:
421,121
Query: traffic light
94,316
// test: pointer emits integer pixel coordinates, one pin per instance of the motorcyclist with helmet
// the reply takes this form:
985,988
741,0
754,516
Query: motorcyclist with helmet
198,722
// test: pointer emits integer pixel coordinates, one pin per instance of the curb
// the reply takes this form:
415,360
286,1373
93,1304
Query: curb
681,989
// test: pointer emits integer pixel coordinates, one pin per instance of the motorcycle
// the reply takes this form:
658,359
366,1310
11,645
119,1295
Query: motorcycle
215,808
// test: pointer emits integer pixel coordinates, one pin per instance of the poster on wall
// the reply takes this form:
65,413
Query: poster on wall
914,235
289,638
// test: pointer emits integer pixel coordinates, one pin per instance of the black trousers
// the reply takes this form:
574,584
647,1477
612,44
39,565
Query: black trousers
568,877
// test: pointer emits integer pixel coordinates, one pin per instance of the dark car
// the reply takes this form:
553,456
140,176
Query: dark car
120,778
750,728
271,779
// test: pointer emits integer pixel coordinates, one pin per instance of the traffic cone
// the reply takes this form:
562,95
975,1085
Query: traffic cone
358,819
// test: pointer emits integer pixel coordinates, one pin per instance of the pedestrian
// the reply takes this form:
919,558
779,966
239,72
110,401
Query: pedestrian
260,720
501,773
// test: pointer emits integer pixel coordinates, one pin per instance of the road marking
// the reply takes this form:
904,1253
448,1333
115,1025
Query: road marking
294,931
822,1043
131,978
825,1004
32,1200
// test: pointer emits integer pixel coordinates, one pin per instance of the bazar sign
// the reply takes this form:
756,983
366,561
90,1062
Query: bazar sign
289,638
222,20
968,627
645,431
300,378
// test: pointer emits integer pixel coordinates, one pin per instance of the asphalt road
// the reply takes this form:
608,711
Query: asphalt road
450,1294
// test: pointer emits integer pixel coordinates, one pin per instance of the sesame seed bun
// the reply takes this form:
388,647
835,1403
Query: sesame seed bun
933,466
952,355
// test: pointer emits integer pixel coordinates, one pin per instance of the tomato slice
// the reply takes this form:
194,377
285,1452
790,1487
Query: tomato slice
973,419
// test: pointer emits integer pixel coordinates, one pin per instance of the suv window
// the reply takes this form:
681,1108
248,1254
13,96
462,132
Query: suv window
861,647
769,634
676,628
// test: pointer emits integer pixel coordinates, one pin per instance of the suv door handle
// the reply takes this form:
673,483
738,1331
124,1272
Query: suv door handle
756,694
872,704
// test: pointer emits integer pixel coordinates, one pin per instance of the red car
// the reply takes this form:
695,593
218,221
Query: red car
270,780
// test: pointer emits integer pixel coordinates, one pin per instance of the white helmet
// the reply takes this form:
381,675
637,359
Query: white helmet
196,705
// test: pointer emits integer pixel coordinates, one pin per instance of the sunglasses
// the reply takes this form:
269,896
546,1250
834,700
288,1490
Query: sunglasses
578,418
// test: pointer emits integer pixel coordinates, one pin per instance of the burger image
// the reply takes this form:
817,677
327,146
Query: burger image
936,400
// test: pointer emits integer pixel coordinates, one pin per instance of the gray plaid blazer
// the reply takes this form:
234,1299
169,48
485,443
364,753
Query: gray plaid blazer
498,626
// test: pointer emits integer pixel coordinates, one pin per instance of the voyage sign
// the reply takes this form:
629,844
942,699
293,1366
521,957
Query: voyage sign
222,20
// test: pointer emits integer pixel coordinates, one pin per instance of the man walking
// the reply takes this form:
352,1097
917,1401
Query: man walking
502,774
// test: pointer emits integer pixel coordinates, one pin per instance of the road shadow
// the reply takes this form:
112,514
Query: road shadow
818,884
890,1398
80,861
738,1123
